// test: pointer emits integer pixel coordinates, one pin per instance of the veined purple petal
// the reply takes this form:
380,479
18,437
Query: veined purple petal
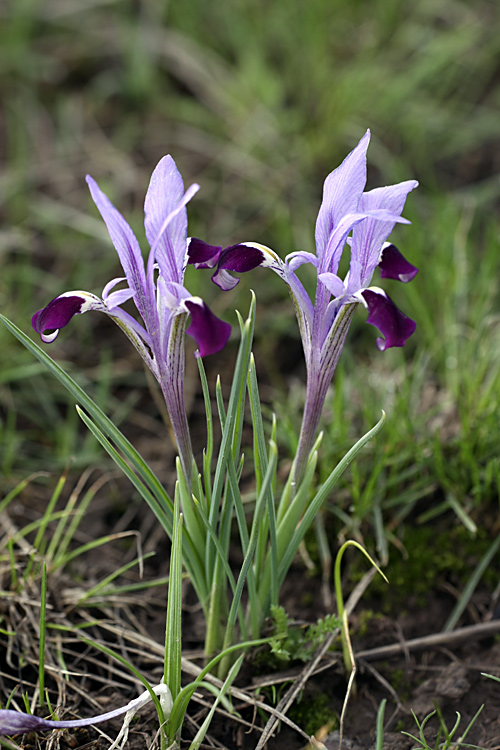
165,193
333,283
15,722
393,265
58,313
297,259
128,250
203,255
238,258
330,258
111,285
384,315
209,332
115,299
368,237
341,193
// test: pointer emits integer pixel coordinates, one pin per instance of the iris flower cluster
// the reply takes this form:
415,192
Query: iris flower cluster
348,217
369,217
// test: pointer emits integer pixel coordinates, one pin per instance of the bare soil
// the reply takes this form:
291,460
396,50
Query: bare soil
418,678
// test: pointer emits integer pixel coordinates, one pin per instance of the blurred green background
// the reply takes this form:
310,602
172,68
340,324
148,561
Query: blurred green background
258,101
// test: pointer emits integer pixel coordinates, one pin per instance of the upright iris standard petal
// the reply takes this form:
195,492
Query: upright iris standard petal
393,265
342,191
129,252
210,333
369,236
384,315
58,313
165,193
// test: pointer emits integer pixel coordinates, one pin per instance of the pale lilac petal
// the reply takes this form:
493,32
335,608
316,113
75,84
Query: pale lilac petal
111,285
330,259
368,237
172,294
168,262
210,333
224,280
58,313
393,265
353,278
128,251
342,191
384,315
333,283
203,255
115,299
164,208
392,197
295,260
130,324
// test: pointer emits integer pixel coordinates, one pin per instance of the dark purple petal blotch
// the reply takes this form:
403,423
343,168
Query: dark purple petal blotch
391,322
57,313
209,332
393,265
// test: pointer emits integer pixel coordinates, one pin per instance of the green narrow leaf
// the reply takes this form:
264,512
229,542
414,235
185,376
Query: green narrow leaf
471,586
60,558
111,577
260,507
104,423
200,734
234,408
164,515
321,496
268,521
181,703
231,426
209,450
173,629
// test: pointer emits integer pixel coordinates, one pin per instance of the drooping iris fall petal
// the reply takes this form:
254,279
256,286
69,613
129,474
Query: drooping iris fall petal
58,313
393,265
209,332
391,322
203,255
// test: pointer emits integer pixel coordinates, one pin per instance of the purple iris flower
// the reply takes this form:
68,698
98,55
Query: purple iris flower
157,289
363,221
